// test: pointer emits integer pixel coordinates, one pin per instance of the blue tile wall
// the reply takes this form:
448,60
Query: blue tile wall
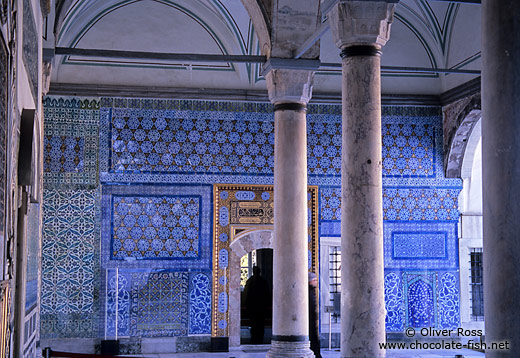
117,303
418,203
448,300
416,245
156,226
394,302
71,136
421,305
200,303
408,149
157,161
70,263
159,304
33,253
421,299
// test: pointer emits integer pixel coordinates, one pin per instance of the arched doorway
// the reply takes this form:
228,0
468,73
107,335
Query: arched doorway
241,245
263,260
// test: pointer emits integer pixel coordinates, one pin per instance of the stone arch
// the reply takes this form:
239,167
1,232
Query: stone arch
471,147
467,121
260,13
241,245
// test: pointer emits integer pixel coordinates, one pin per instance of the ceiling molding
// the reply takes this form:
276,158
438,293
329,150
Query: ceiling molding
88,90
467,89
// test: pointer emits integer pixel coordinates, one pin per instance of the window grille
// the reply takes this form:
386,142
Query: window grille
476,284
334,276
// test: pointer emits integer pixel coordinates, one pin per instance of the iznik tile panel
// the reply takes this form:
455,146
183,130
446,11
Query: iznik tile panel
207,142
63,154
412,148
200,303
142,144
414,245
71,135
156,226
33,253
448,298
117,303
419,245
159,304
420,303
330,204
324,145
70,263
394,302
408,149
30,47
426,204
156,303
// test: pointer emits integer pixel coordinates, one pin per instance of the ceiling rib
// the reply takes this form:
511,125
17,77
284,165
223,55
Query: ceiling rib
327,5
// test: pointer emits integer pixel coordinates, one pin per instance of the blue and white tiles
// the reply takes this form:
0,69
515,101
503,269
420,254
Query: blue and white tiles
156,163
71,143
200,304
156,226
70,263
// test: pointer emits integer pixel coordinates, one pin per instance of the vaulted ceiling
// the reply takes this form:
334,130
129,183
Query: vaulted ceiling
429,34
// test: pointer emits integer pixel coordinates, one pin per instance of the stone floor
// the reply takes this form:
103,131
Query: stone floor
259,351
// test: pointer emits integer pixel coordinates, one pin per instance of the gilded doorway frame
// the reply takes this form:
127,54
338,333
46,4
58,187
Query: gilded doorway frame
238,211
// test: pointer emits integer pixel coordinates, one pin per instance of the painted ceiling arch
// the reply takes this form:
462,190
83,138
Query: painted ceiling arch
424,34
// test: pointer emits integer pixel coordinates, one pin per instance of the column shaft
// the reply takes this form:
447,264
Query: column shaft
501,173
290,291
363,306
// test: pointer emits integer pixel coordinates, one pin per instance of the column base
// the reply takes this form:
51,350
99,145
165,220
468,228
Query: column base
290,350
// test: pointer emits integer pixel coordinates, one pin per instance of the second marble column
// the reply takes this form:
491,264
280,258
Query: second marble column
289,91
360,29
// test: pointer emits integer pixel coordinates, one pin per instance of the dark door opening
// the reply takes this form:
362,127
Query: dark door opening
260,302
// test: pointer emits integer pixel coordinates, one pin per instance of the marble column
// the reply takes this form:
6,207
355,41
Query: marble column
360,29
289,91
501,173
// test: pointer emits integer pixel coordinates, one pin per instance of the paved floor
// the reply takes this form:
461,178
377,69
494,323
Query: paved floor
260,351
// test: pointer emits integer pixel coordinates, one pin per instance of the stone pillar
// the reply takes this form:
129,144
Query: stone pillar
501,173
360,29
289,91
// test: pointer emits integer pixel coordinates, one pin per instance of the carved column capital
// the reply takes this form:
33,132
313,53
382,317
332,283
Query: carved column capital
361,23
289,86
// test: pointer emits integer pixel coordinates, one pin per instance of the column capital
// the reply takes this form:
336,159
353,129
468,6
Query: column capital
361,23
289,86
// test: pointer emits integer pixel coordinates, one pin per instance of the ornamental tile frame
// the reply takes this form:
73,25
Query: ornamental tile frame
238,208
420,303
422,299
417,245
146,202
